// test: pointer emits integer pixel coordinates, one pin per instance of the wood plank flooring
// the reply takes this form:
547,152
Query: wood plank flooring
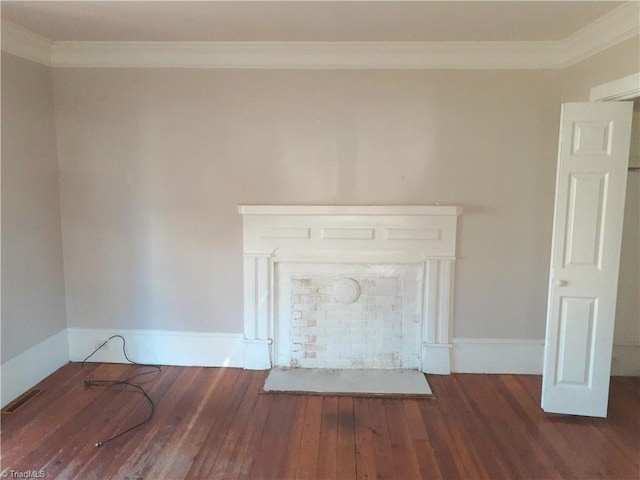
216,423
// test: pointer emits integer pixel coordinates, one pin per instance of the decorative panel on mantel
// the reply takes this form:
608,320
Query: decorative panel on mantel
337,247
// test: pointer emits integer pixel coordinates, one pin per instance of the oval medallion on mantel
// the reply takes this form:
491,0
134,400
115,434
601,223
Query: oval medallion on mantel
346,290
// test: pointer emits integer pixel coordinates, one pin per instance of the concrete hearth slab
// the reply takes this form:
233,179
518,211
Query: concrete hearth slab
356,382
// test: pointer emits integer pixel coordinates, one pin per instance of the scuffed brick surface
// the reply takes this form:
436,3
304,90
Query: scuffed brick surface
369,333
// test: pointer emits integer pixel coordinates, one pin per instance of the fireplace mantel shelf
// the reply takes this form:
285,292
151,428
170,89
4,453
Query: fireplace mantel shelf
349,210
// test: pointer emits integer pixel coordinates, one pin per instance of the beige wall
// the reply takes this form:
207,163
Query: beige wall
33,294
616,62
155,161
627,327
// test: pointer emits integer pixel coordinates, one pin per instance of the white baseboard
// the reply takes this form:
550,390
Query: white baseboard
626,361
159,347
494,355
31,366
230,350
257,354
436,358
488,355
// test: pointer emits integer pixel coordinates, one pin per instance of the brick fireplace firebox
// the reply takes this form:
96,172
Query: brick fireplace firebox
349,286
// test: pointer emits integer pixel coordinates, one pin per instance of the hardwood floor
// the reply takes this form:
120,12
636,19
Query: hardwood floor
216,423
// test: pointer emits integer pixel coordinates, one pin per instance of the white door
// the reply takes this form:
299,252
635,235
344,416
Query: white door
585,256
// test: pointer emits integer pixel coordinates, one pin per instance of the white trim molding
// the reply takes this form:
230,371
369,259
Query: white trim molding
309,55
33,365
257,354
162,347
625,88
615,27
525,357
23,43
159,347
605,32
625,361
349,210
497,355
436,358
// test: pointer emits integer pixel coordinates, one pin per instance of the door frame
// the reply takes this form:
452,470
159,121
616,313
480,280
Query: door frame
625,88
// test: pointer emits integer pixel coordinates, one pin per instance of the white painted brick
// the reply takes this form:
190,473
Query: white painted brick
340,363
368,299
303,307
385,300
302,339
302,330
359,354
364,334
341,315
357,307
389,283
308,314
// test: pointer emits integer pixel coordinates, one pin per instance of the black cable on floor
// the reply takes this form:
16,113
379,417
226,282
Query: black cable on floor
89,382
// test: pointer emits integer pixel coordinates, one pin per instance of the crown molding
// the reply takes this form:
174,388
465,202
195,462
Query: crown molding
615,27
21,42
605,32
309,55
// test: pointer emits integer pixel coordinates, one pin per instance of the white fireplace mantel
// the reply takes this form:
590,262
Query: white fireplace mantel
349,210
423,235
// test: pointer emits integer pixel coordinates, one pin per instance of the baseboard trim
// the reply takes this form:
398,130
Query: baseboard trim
496,355
257,354
33,365
516,356
436,358
159,347
163,347
625,361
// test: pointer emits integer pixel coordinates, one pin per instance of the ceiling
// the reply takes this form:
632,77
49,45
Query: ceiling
306,21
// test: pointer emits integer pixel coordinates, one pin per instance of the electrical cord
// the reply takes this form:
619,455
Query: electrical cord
89,382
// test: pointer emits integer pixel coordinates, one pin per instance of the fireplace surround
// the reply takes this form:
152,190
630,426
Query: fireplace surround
345,286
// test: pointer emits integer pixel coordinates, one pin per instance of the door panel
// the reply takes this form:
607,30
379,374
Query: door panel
587,231
587,192
577,322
